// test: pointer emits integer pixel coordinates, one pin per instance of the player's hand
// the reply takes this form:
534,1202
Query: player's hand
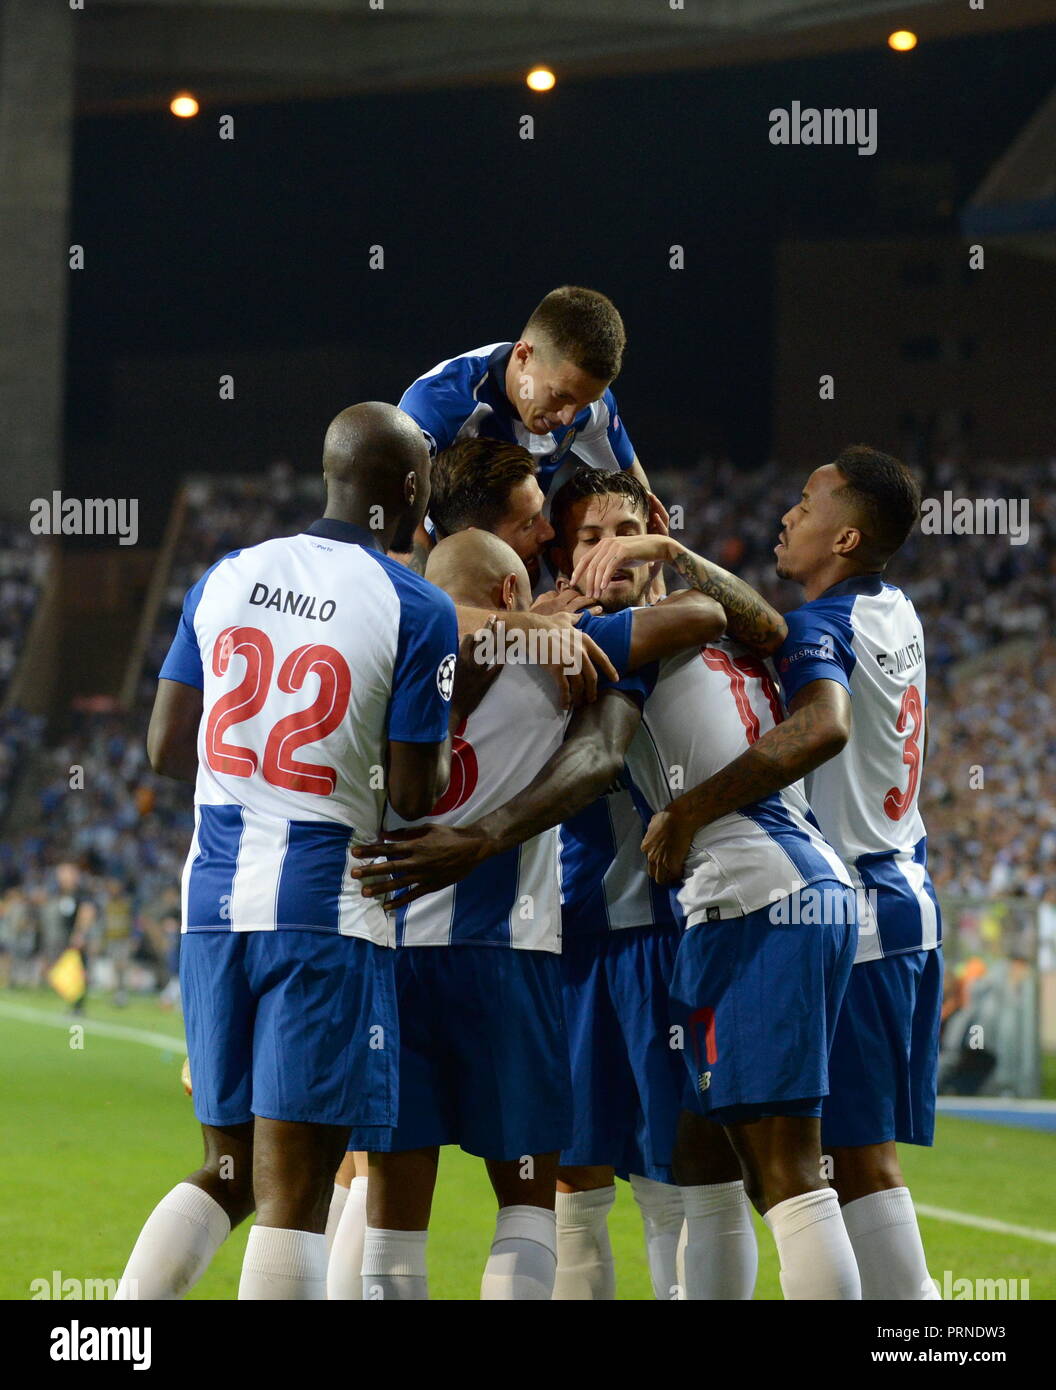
475,671
594,572
573,659
410,863
659,517
564,599
666,846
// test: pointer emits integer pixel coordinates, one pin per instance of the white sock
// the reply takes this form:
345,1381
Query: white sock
344,1272
181,1236
394,1265
282,1264
663,1218
585,1271
887,1245
721,1256
333,1215
817,1261
523,1259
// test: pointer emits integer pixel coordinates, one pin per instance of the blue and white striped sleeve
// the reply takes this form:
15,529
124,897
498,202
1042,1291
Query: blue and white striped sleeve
441,402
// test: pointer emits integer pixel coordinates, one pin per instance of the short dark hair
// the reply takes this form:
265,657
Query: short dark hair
594,482
582,327
471,482
884,494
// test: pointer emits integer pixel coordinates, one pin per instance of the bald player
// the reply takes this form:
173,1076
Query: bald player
301,668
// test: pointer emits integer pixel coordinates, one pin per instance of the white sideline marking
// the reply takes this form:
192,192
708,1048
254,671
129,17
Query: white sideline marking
986,1223
996,1103
24,1014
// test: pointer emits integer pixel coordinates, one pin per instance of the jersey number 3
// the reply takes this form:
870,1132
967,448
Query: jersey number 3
321,717
910,721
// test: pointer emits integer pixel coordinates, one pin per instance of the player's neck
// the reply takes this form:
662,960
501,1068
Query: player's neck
833,572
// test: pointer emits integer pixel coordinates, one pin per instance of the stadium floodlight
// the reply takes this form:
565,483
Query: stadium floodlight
183,104
902,40
540,79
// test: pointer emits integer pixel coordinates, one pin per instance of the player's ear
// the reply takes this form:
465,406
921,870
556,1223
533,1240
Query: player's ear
410,488
509,593
848,543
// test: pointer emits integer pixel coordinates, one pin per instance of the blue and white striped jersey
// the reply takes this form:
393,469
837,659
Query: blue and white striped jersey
465,397
605,883
701,710
311,651
513,899
865,634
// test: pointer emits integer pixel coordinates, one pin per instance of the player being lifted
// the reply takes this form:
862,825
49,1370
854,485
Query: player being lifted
484,1059
856,646
302,668
550,392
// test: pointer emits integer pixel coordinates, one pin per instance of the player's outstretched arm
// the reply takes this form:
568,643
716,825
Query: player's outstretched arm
817,728
172,735
750,620
677,623
576,659
422,860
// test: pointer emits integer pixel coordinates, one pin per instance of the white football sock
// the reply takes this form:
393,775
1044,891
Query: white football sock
663,1217
283,1264
887,1245
344,1272
180,1237
333,1216
585,1270
394,1265
523,1259
721,1256
817,1261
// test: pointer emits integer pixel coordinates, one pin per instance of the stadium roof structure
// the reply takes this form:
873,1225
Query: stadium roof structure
1015,206
136,53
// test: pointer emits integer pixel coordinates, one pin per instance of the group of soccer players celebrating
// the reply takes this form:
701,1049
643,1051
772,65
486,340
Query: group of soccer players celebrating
658,891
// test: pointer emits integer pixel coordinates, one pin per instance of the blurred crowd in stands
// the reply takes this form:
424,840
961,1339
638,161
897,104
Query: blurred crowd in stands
98,862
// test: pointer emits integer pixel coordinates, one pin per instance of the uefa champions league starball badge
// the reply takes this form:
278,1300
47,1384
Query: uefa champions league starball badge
445,676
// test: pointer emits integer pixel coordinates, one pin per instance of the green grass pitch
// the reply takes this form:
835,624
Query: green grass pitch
92,1137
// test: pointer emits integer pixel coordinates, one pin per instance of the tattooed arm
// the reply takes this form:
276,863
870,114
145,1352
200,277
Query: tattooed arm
750,620
817,728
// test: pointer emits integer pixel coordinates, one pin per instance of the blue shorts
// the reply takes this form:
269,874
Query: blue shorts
626,1077
757,1000
293,1025
884,1063
483,1053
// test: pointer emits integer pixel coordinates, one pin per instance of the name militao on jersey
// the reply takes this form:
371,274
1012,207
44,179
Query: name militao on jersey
700,710
865,634
513,898
465,397
311,652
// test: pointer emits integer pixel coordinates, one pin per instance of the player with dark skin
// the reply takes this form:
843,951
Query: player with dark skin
374,455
